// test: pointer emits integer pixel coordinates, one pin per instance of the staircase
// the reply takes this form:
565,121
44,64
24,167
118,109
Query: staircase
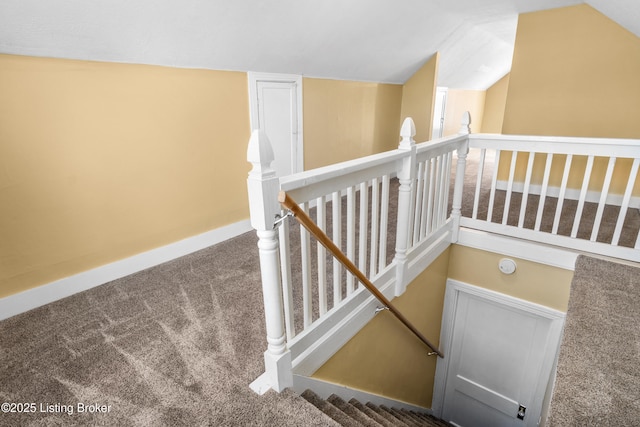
354,413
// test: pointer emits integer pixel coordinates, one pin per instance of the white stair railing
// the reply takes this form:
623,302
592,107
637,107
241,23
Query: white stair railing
314,307
354,202
556,190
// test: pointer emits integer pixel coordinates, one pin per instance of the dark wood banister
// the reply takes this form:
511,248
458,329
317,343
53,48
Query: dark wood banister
308,223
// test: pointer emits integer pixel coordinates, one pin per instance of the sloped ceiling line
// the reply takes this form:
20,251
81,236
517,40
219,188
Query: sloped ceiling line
365,40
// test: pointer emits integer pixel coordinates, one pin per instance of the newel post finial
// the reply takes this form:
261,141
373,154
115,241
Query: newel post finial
260,154
407,132
262,182
465,124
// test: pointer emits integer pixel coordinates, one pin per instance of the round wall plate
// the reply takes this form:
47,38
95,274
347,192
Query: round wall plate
507,266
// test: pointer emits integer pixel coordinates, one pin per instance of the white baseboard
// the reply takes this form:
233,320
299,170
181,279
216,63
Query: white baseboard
570,194
325,389
50,292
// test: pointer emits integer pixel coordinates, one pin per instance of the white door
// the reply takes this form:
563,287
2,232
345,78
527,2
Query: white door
500,352
439,108
276,108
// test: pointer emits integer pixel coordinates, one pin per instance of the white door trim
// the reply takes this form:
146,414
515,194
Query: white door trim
253,78
453,290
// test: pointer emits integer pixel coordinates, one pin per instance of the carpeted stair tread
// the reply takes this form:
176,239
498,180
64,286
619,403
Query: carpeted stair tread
388,415
415,416
418,417
330,410
352,411
373,414
404,418
432,420
412,416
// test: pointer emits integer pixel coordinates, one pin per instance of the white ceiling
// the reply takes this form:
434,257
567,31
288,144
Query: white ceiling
366,40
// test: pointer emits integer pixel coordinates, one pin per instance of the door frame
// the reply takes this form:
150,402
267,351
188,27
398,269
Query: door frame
453,290
253,79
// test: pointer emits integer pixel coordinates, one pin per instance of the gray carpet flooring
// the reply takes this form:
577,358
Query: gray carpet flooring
176,344
598,379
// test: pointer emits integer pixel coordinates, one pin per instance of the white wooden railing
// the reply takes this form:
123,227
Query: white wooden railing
312,306
547,209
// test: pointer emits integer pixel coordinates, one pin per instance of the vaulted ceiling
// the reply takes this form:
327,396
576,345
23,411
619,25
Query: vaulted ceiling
366,40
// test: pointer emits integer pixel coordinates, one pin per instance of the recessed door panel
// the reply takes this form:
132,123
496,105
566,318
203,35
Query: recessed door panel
500,361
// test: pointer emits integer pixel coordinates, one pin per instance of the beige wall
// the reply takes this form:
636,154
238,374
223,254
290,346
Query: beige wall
344,120
538,283
100,161
575,73
418,97
494,106
459,101
385,359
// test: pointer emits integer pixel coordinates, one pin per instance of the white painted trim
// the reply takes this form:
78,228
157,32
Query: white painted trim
262,384
555,240
50,292
325,389
570,193
581,146
422,255
511,246
314,346
453,290
253,78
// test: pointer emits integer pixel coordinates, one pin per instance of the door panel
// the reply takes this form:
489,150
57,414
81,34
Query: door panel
470,418
276,108
276,101
500,357
485,395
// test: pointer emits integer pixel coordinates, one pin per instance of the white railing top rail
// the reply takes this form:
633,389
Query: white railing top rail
307,185
610,147
314,183
441,145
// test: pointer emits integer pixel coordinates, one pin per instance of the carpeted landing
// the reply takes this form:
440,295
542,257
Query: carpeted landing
598,377
174,345
179,343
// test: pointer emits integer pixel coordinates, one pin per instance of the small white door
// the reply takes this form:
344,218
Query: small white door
276,108
500,355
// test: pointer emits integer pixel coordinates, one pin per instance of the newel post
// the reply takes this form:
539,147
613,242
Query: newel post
406,176
456,206
263,186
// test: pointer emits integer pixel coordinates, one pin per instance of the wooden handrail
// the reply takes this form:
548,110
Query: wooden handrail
308,223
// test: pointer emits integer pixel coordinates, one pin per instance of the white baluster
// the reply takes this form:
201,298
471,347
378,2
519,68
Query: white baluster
406,175
263,186
456,205
351,235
